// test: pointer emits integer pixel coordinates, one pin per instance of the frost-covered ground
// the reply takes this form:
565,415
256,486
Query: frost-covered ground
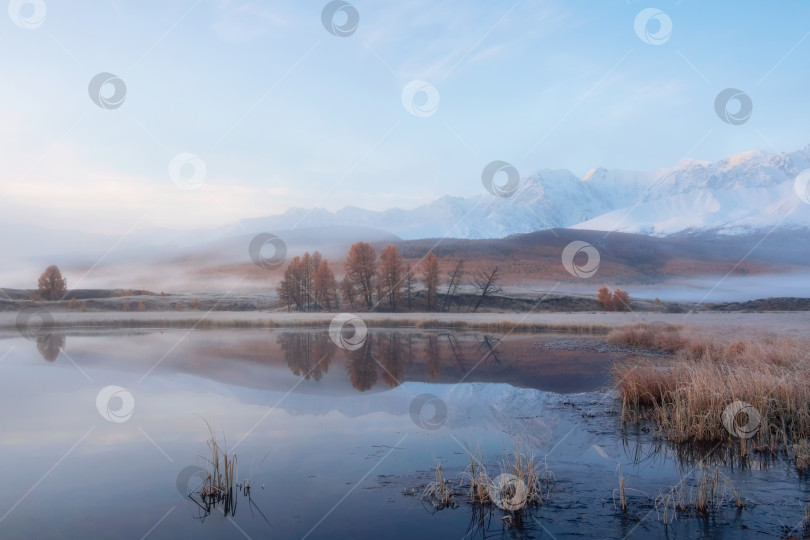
789,323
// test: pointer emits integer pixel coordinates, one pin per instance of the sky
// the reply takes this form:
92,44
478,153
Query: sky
231,109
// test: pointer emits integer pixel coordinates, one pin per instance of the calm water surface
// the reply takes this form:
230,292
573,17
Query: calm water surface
334,440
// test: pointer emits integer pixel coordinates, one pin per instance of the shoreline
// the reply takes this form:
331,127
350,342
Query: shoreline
793,323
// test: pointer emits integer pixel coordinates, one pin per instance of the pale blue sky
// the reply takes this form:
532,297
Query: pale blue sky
283,113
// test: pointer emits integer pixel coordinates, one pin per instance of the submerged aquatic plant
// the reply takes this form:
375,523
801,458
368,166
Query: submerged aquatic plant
438,492
220,486
701,499
520,483
622,491
801,455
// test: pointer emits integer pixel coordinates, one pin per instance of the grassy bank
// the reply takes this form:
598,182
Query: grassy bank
702,392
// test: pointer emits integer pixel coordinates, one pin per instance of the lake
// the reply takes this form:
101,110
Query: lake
104,434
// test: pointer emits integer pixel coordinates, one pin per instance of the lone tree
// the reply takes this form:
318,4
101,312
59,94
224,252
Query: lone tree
485,282
52,286
452,286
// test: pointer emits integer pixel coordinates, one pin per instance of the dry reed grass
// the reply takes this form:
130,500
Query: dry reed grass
221,485
685,395
801,455
438,492
481,489
709,494
622,491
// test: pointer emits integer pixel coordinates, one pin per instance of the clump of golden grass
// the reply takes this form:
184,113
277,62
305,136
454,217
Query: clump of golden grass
221,485
497,327
685,396
478,478
622,491
525,468
660,337
801,455
740,503
480,486
438,492
622,494
700,498
705,492
662,505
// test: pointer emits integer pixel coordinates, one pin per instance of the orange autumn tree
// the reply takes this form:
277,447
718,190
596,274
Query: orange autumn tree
51,285
391,276
361,270
605,298
297,288
618,300
621,300
430,277
325,287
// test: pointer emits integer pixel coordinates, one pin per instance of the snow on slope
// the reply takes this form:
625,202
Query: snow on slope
746,191
737,195
724,211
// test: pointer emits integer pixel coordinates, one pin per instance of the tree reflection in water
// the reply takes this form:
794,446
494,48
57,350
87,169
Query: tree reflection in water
390,357
393,359
50,346
383,356
433,362
362,366
308,354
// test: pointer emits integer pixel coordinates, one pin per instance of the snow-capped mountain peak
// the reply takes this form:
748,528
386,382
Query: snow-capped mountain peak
745,191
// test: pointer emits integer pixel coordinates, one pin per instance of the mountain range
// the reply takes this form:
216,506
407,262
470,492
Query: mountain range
750,196
740,194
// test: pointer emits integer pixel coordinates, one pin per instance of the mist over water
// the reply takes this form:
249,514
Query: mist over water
728,289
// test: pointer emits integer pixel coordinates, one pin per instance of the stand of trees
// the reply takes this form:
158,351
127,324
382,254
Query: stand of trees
617,300
381,282
309,284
